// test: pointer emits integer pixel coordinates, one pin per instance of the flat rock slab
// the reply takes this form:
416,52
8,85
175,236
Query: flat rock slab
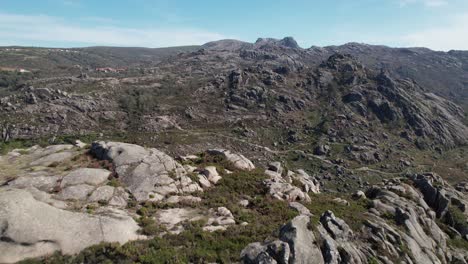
217,219
75,192
120,153
170,218
53,158
52,149
44,183
46,198
184,199
300,208
239,161
120,197
32,228
103,193
86,176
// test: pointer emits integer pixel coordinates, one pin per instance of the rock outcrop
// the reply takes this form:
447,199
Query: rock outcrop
67,208
332,111
282,188
399,227
149,174
216,219
32,228
239,161
297,244
390,100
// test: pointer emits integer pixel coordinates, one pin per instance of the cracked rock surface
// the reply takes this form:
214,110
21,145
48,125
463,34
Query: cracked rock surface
147,173
31,228
399,227
64,207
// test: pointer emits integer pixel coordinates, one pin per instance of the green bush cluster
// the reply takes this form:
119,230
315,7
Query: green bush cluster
352,214
149,226
458,243
6,147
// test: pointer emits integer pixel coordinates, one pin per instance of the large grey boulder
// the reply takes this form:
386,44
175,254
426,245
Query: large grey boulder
173,218
44,183
119,153
271,253
335,226
119,198
434,197
300,208
239,161
282,188
103,193
50,155
51,149
286,191
296,244
309,184
53,158
322,150
275,167
75,192
301,240
217,219
31,228
211,174
148,174
337,241
86,176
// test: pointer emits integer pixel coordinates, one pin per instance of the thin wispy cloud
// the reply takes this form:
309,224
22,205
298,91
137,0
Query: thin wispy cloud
15,28
101,20
427,3
453,35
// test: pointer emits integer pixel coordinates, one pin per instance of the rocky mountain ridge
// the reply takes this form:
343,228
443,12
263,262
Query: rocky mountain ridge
340,71
443,73
269,100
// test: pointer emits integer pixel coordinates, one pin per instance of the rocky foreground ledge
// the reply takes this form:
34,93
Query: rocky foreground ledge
66,198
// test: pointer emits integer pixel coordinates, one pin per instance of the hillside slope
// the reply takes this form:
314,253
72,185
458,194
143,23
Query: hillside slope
233,152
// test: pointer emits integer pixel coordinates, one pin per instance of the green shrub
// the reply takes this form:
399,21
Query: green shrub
297,183
6,147
458,243
372,260
456,218
114,182
352,214
149,226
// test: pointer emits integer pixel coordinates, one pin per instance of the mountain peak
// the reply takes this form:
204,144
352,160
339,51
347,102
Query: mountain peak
288,42
226,44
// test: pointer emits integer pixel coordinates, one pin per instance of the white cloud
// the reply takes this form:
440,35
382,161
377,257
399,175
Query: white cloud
453,35
428,3
435,3
16,29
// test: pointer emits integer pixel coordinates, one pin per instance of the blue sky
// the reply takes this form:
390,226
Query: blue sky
437,24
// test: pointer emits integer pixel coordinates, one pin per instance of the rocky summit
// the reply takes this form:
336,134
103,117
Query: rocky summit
234,152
